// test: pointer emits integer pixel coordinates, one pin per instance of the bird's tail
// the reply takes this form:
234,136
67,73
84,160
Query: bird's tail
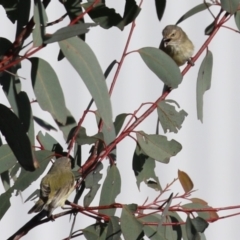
37,207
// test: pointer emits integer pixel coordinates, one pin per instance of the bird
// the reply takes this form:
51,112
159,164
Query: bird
177,45
55,187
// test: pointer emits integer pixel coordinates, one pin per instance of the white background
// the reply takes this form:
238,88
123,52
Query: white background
210,153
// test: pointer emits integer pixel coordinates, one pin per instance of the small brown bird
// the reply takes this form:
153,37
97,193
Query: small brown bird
177,45
55,187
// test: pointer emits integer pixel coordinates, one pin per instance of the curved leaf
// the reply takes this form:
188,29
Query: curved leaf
114,230
237,19
162,65
160,8
5,202
194,10
25,178
82,58
7,158
110,189
158,147
16,137
203,82
68,32
230,6
143,167
91,182
130,225
48,89
169,117
185,181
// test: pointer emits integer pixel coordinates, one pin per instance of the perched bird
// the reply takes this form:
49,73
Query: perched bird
177,45
55,187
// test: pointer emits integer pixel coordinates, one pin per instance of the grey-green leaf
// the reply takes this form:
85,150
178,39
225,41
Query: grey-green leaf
204,82
7,158
131,227
158,147
114,230
97,231
5,202
237,19
169,117
230,6
40,19
143,167
110,189
83,59
68,32
26,178
91,182
162,65
194,10
48,89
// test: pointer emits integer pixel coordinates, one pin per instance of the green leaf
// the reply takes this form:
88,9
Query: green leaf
46,141
199,224
104,16
25,178
210,28
11,8
91,182
68,32
16,137
40,19
97,231
82,58
204,215
169,117
160,8
66,128
48,89
199,8
82,137
25,115
179,229
5,180
192,233
110,189
151,231
143,167
5,202
44,124
237,19
131,12
7,158
33,195
119,120
162,65
158,147
230,6
114,230
204,82
131,227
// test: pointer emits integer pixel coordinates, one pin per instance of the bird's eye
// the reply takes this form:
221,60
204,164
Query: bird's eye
173,34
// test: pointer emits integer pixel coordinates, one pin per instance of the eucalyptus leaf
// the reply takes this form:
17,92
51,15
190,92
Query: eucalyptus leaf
169,117
48,89
230,6
160,8
92,183
203,82
7,158
162,65
82,58
110,189
131,227
158,147
194,10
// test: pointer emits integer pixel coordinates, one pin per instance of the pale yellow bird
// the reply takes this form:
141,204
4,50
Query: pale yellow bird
177,45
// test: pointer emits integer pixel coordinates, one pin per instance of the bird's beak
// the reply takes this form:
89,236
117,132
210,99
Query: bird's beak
166,41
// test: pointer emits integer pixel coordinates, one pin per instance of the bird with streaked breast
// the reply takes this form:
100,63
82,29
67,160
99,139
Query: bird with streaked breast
177,45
